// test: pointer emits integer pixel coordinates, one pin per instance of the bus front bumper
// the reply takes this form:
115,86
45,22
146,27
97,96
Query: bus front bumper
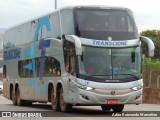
102,97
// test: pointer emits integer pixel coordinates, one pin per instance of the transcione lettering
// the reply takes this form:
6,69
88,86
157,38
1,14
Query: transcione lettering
12,54
109,43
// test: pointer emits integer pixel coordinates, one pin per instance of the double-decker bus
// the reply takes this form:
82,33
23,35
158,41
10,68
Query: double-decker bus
83,55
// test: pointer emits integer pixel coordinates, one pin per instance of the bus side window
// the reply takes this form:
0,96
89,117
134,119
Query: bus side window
46,67
56,68
70,57
31,72
52,67
51,64
72,63
27,70
4,71
21,69
24,72
37,66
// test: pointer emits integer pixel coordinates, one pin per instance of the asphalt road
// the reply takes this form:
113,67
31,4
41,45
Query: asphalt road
80,112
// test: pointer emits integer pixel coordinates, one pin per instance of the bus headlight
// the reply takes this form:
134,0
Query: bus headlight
82,86
137,88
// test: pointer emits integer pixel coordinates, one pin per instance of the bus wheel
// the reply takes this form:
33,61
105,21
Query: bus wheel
106,107
117,108
13,97
54,101
19,101
64,106
27,103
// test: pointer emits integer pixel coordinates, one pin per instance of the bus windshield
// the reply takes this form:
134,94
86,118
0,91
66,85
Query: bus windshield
117,24
99,64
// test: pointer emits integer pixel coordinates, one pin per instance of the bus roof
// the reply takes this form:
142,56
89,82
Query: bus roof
71,7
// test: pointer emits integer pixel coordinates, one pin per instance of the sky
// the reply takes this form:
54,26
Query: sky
13,12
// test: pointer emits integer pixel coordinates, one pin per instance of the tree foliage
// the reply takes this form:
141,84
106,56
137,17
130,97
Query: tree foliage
155,36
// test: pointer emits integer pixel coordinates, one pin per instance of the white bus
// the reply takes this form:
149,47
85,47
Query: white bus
75,56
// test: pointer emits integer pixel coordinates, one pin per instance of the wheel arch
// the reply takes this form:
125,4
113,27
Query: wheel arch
59,86
50,88
11,88
16,86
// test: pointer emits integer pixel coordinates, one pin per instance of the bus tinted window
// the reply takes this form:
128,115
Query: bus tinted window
4,71
23,72
51,67
103,23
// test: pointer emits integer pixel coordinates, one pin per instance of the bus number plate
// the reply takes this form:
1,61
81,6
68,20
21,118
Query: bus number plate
112,101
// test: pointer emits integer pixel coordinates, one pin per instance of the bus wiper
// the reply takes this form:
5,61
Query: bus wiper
130,75
98,75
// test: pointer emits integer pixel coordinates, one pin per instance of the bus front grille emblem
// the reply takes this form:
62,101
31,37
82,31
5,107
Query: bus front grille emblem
113,92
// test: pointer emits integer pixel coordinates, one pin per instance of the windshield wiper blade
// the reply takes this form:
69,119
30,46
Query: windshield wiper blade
98,75
130,75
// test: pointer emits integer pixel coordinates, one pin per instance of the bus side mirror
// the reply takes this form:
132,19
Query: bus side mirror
150,43
76,41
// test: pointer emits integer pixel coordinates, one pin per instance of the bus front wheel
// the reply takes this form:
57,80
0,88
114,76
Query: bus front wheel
117,108
65,107
106,107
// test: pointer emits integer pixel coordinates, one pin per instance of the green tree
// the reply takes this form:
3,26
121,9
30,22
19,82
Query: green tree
155,36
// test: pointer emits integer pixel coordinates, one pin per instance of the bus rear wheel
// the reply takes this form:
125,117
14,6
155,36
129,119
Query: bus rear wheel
13,97
19,100
54,101
117,108
65,107
27,103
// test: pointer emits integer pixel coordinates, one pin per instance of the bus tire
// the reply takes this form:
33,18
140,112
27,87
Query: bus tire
65,107
106,107
13,97
117,108
20,102
27,103
54,101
